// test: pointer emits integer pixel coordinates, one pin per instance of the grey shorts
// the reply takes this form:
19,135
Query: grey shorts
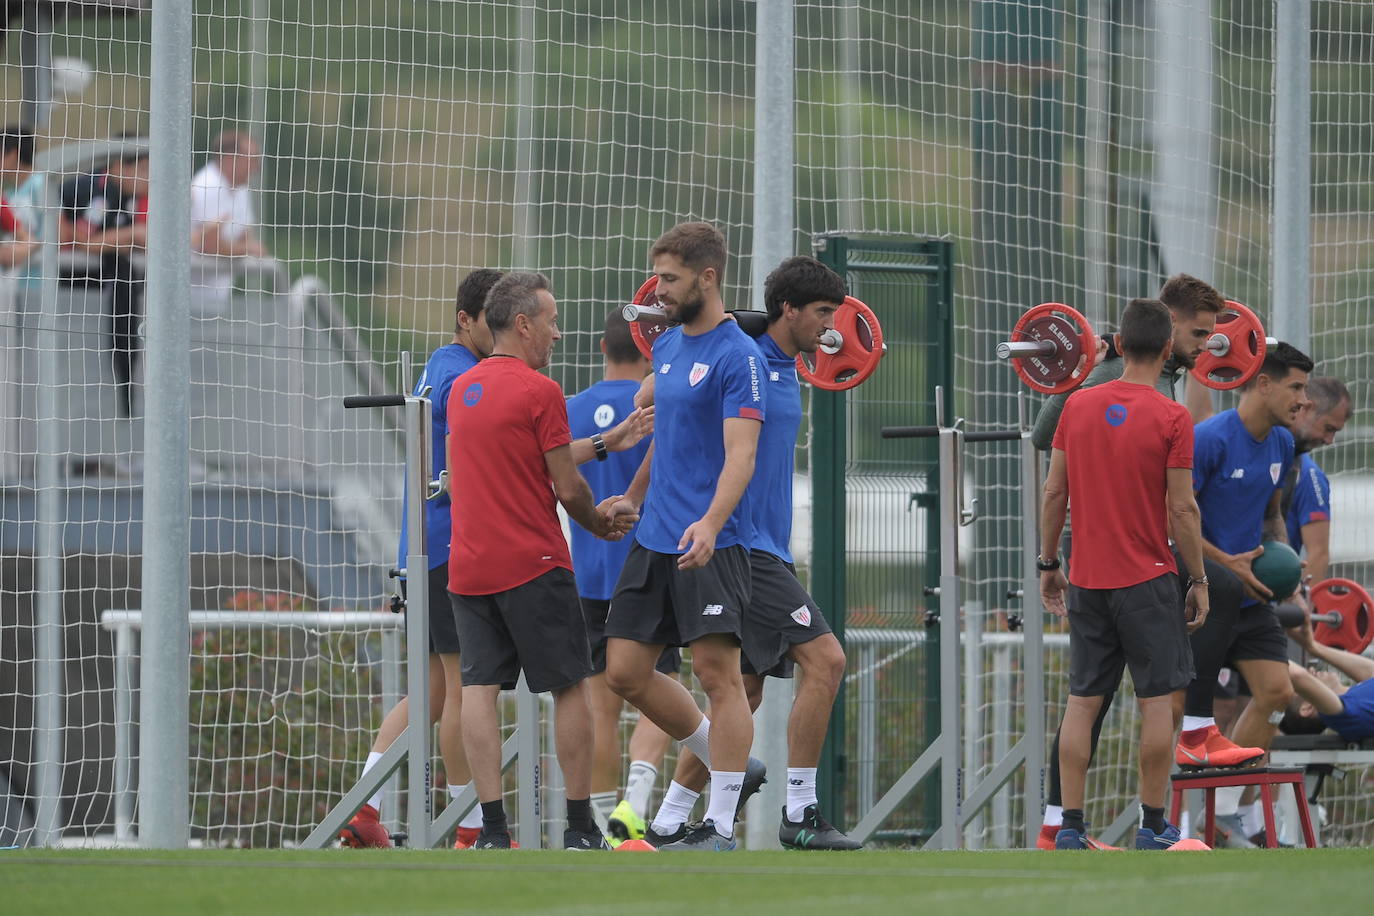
536,628
443,632
660,605
594,612
1140,627
781,614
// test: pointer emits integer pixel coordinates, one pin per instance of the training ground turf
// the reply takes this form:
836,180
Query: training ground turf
1324,882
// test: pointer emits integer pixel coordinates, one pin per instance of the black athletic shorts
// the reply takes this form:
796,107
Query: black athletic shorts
1140,627
594,610
1259,635
443,632
781,614
660,605
536,628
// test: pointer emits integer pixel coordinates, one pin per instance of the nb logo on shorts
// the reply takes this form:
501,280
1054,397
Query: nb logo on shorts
802,615
713,610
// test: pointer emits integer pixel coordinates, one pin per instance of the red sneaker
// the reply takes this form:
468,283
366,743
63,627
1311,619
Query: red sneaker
1048,832
1207,748
365,831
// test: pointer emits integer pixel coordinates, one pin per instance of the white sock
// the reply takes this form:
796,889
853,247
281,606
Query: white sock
801,791
725,789
1193,723
474,817
640,785
603,803
1228,799
699,741
1054,816
677,806
376,800
1252,818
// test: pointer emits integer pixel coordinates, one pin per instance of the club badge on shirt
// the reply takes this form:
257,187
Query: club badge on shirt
1274,472
698,373
802,615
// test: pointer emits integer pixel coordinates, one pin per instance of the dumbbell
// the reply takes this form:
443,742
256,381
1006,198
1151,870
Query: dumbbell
1290,615
849,352
1053,347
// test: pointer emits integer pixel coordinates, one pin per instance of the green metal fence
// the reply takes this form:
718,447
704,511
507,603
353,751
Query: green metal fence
875,546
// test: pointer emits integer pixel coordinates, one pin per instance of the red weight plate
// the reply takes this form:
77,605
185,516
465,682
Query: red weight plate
1354,605
646,330
856,359
1075,343
1245,348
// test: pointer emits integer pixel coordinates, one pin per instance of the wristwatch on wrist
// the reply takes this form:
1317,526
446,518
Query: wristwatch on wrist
1197,580
1047,565
599,444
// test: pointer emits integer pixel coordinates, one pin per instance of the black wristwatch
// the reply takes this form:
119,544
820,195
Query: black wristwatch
599,444
1047,565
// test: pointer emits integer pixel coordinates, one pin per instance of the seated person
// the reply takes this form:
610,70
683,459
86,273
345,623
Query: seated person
1348,711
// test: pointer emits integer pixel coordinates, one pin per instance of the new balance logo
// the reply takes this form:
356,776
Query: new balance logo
734,787
664,370
713,610
1238,474
794,782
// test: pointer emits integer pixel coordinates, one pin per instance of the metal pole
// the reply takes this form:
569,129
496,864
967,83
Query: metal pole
850,158
951,511
123,727
526,172
164,745
1095,183
419,802
1002,702
35,55
1033,630
1291,256
527,739
391,695
774,129
972,706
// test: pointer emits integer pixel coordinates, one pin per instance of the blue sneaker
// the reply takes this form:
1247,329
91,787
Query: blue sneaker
701,838
1071,839
1148,839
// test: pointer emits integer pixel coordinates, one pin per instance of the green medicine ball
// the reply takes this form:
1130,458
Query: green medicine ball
1278,568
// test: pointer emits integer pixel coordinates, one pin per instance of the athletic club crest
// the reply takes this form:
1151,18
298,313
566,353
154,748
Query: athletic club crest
698,373
802,615
1273,470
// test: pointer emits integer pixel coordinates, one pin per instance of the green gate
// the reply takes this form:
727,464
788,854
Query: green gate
875,547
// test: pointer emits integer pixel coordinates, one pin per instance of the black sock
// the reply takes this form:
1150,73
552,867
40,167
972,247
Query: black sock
580,815
1152,819
494,817
1073,819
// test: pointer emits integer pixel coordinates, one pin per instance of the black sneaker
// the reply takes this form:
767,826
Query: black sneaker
755,775
584,839
492,839
813,832
659,840
701,838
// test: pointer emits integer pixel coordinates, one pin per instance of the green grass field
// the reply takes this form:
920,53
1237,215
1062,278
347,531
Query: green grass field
346,882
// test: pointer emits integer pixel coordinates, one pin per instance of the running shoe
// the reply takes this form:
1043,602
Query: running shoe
365,831
1207,748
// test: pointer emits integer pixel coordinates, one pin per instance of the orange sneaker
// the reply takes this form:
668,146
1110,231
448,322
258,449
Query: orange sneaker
1049,831
1207,748
365,831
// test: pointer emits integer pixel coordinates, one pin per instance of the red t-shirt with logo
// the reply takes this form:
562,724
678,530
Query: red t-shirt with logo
502,417
7,221
1119,439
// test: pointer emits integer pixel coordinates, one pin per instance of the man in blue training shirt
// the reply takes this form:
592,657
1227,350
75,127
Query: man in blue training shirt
783,625
471,343
686,580
1240,459
597,564
1348,711
1307,493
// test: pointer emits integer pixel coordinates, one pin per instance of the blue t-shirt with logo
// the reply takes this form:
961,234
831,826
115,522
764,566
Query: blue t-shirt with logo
1356,720
444,365
702,380
1235,477
770,490
597,563
1311,499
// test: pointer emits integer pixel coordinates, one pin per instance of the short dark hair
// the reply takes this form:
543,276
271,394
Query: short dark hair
620,343
697,245
472,292
1186,295
1279,361
800,280
1146,326
517,293
18,138
1326,393
1295,723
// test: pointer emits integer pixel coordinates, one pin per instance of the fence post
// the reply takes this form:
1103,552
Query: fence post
1291,256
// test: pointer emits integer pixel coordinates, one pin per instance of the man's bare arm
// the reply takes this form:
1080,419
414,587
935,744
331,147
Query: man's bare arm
1274,528
1316,540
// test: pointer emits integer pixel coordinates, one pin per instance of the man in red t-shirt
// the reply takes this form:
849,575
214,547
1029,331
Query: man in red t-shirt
1123,455
510,574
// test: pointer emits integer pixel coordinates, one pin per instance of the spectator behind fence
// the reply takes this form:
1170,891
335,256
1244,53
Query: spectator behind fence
18,238
223,221
105,213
